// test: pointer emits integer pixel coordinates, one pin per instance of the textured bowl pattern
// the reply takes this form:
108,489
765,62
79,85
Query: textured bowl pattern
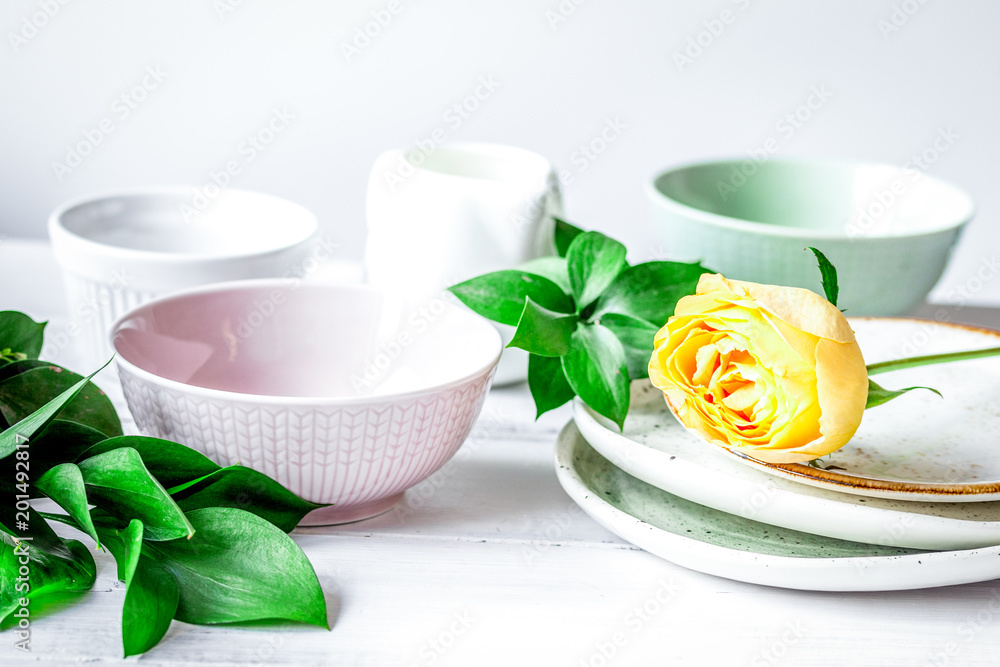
360,458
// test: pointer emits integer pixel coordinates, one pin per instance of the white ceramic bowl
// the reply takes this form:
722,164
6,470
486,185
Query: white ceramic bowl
342,394
889,231
121,249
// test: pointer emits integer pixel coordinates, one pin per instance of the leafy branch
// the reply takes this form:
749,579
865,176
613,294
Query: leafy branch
586,317
193,541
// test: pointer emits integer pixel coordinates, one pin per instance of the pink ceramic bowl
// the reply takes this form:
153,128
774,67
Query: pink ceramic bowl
346,395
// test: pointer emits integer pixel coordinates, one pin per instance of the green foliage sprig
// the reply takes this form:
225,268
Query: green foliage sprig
586,316
193,541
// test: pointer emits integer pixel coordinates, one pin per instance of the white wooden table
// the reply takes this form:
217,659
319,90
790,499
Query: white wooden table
489,563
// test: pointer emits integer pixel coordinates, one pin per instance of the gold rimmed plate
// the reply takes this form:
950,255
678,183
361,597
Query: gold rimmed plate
951,444
920,447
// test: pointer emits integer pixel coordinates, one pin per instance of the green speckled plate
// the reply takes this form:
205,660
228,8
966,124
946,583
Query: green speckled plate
711,541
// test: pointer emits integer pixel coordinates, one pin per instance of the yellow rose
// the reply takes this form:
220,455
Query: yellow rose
774,372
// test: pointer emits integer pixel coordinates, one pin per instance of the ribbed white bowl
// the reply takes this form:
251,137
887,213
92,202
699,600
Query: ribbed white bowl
283,393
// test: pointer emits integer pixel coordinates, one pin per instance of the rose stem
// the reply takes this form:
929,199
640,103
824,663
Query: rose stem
912,362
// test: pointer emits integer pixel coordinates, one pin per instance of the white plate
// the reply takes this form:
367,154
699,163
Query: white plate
658,450
728,546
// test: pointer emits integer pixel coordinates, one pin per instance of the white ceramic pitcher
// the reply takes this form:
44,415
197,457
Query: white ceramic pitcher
442,215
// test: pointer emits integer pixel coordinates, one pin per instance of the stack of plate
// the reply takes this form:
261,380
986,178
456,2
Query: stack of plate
913,501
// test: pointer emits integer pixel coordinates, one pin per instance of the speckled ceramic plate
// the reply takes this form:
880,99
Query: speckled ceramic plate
657,449
919,447
707,540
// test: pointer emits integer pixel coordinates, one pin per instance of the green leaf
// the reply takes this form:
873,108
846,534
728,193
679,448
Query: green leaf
597,371
119,483
47,574
20,334
239,567
565,233
22,433
60,442
124,544
878,395
151,592
829,274
18,367
500,295
64,485
26,427
43,538
649,291
636,337
247,489
551,267
26,392
548,384
594,261
543,332
169,462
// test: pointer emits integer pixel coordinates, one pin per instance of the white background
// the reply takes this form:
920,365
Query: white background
891,89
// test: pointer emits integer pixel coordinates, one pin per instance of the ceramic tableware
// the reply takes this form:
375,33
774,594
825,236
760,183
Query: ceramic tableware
339,393
916,436
725,545
444,214
120,249
888,230
926,448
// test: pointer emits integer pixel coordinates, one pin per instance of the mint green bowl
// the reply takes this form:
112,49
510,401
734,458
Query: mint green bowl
888,230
